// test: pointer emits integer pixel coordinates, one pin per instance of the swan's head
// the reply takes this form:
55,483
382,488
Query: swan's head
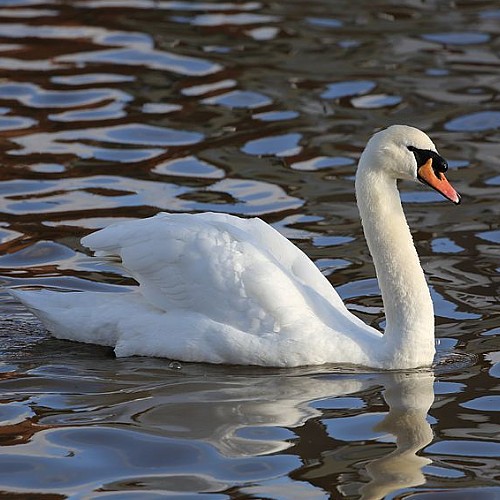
407,153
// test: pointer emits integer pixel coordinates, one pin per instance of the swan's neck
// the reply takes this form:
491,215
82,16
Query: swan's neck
409,333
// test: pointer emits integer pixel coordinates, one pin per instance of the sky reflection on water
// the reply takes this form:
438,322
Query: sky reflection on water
116,109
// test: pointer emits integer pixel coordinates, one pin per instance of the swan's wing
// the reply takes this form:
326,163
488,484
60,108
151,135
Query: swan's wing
290,257
236,271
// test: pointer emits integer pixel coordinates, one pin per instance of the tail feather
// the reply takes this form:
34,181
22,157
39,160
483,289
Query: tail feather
79,316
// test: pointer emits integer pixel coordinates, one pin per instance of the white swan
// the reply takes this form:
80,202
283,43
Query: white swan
220,289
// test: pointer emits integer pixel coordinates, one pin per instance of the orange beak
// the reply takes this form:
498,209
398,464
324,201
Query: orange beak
437,181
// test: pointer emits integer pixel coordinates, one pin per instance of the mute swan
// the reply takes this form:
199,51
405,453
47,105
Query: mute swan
216,288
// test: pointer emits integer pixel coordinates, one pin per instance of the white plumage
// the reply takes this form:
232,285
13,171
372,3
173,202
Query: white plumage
220,289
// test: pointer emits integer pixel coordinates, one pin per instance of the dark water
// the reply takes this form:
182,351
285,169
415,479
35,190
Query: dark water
115,109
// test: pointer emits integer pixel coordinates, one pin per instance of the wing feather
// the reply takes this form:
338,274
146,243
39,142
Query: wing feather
239,272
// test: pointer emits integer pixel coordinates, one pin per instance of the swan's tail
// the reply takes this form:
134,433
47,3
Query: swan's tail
79,316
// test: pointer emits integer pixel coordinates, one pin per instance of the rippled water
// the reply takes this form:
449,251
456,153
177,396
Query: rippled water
115,109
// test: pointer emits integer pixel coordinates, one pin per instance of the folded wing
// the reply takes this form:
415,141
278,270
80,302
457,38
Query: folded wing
239,272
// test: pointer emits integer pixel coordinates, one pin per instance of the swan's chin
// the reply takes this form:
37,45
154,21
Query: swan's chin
437,181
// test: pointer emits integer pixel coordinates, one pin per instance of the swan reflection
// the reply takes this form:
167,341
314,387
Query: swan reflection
267,413
266,433
386,469
409,400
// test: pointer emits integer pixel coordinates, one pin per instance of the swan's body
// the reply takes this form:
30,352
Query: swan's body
220,289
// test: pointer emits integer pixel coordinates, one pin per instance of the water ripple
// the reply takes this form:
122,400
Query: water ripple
170,5
92,78
475,122
239,99
34,96
280,145
189,167
107,192
112,110
375,101
241,19
458,38
346,89
108,112
69,142
27,13
15,123
99,36
205,88
151,58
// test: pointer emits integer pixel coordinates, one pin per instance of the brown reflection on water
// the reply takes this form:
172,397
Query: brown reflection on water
116,110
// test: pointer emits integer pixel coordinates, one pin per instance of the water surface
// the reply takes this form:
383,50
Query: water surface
116,109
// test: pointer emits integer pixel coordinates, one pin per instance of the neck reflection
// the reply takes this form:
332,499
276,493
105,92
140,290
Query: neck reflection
354,450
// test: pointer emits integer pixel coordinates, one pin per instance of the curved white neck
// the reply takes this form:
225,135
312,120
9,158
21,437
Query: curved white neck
409,333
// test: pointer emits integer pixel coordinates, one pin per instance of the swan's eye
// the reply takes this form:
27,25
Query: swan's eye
439,164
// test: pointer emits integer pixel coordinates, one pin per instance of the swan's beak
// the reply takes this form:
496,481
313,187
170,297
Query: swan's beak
437,181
